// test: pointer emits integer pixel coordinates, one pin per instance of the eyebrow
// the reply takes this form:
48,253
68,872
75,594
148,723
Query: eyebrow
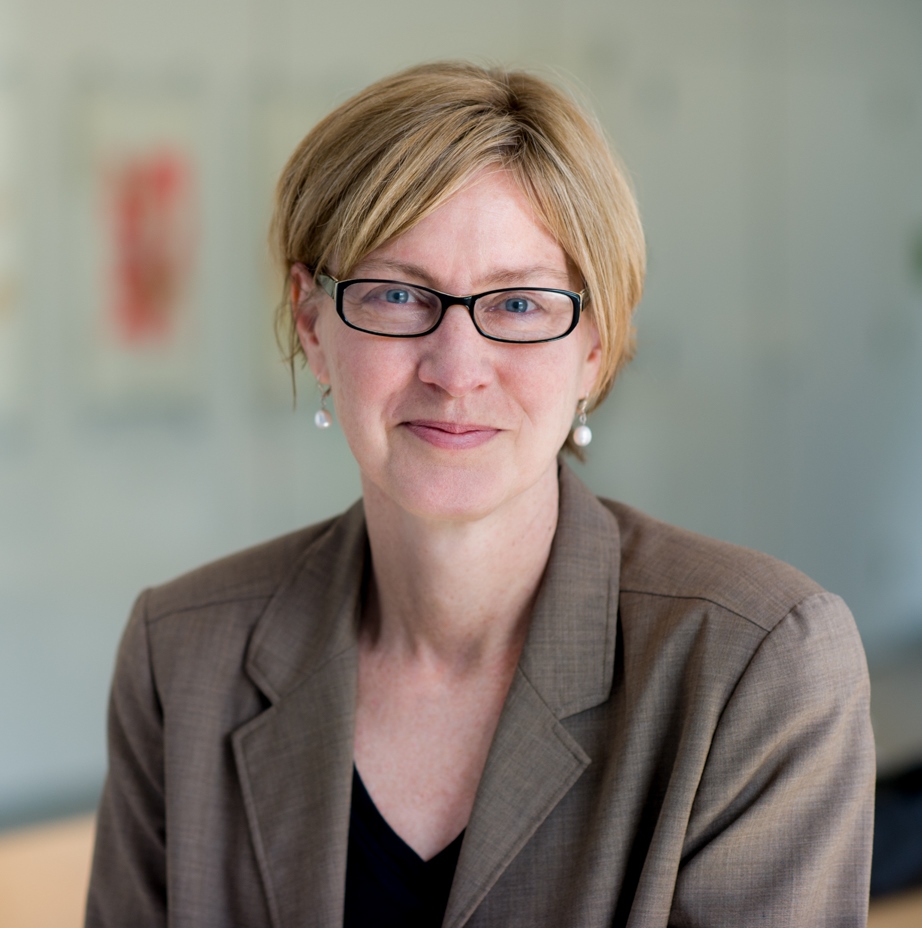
498,276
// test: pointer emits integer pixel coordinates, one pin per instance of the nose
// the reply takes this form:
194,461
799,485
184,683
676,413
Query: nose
456,357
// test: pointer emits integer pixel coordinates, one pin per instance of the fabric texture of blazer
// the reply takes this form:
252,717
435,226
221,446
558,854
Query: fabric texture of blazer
686,742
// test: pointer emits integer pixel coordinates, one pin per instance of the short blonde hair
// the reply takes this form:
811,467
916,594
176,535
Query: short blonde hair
396,151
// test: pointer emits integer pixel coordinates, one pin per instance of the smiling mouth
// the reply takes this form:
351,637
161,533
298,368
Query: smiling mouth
451,434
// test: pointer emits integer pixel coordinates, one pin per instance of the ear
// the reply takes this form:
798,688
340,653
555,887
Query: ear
592,359
305,309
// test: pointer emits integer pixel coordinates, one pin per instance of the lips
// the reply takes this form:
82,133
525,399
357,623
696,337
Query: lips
451,435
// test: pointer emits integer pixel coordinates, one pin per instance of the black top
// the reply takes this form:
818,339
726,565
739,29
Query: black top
388,885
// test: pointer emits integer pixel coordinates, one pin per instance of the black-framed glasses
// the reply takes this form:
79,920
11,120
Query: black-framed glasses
523,315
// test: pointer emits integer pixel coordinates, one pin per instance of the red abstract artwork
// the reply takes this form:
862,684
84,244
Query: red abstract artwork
150,207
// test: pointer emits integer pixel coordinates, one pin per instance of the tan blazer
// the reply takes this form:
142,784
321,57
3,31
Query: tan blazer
686,742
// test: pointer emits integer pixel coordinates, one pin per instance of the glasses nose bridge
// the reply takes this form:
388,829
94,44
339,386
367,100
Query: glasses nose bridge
448,300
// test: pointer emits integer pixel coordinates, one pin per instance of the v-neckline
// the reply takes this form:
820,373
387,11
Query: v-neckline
389,838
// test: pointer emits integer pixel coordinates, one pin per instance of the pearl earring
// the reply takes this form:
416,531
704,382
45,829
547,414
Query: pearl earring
582,434
322,418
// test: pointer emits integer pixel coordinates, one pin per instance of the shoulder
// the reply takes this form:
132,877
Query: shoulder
208,616
745,642
695,609
250,575
193,634
662,561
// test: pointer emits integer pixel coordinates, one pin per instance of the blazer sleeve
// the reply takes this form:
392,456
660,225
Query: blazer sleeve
781,827
128,880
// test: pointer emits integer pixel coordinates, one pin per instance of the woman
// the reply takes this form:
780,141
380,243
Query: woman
481,696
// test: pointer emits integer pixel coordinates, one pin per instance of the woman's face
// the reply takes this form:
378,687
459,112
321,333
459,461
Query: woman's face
452,425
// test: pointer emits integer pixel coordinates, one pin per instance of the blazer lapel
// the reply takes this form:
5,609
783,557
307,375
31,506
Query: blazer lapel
295,759
533,762
566,667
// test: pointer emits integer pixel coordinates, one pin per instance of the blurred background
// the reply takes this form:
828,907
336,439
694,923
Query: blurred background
145,418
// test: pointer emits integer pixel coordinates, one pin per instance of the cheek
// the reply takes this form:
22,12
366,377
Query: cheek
548,388
368,375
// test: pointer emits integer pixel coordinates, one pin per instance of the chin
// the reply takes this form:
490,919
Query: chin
459,494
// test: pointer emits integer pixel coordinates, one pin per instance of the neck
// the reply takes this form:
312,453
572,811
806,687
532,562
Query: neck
455,594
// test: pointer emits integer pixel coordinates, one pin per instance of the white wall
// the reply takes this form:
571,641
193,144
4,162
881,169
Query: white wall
776,400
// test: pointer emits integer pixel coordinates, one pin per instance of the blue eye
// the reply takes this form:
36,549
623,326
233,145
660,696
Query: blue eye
515,304
397,296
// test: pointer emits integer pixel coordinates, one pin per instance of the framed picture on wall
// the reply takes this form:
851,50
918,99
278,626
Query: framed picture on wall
12,317
139,225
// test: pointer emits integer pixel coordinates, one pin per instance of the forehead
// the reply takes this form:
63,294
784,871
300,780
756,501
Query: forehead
487,233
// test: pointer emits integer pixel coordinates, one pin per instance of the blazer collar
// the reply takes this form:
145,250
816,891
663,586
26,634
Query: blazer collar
569,654
295,759
566,667
314,613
